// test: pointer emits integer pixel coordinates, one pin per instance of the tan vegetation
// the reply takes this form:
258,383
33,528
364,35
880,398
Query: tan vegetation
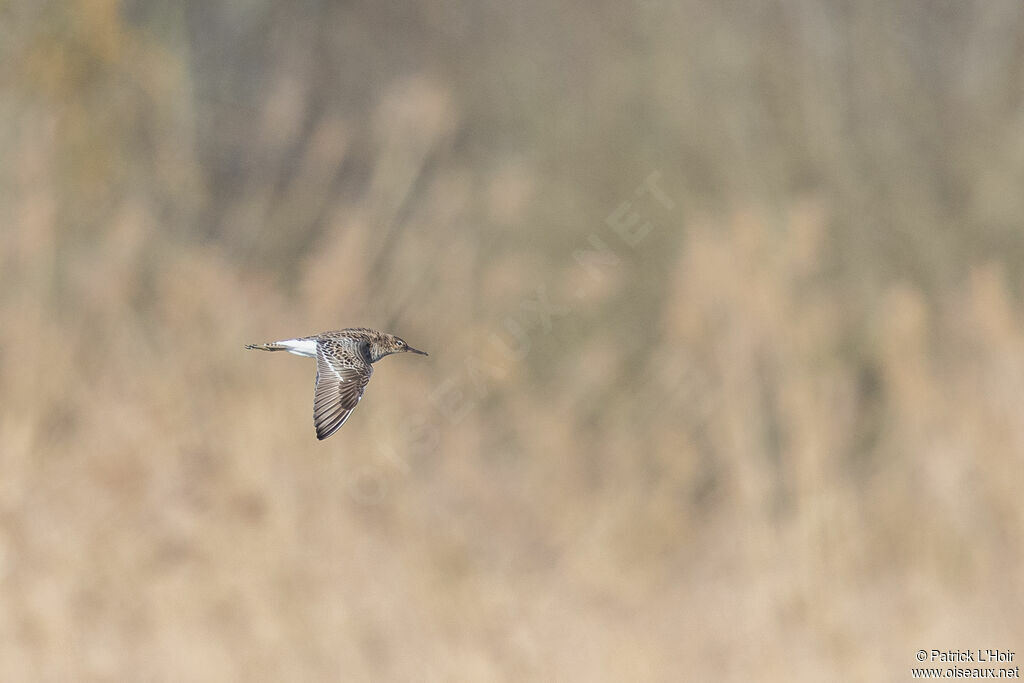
774,436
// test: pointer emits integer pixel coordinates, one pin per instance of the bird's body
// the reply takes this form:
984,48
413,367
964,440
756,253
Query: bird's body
344,363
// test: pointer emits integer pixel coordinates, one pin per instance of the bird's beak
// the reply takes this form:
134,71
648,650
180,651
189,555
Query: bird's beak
412,350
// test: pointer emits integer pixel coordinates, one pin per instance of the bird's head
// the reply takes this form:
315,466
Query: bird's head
388,344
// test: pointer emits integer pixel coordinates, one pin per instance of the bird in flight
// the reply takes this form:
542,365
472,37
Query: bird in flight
344,363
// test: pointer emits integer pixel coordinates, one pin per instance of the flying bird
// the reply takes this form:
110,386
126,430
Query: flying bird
344,363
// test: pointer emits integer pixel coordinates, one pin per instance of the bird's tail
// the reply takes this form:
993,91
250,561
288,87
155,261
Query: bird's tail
271,346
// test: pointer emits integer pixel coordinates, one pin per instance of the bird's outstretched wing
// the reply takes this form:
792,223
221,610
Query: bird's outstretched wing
341,377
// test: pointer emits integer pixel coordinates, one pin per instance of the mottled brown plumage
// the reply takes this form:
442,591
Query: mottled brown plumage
344,363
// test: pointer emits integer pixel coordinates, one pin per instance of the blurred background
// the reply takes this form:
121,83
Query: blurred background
723,301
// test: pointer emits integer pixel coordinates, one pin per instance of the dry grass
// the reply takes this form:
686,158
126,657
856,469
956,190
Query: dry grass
777,438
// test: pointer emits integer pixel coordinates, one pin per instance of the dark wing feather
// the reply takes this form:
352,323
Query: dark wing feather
341,377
